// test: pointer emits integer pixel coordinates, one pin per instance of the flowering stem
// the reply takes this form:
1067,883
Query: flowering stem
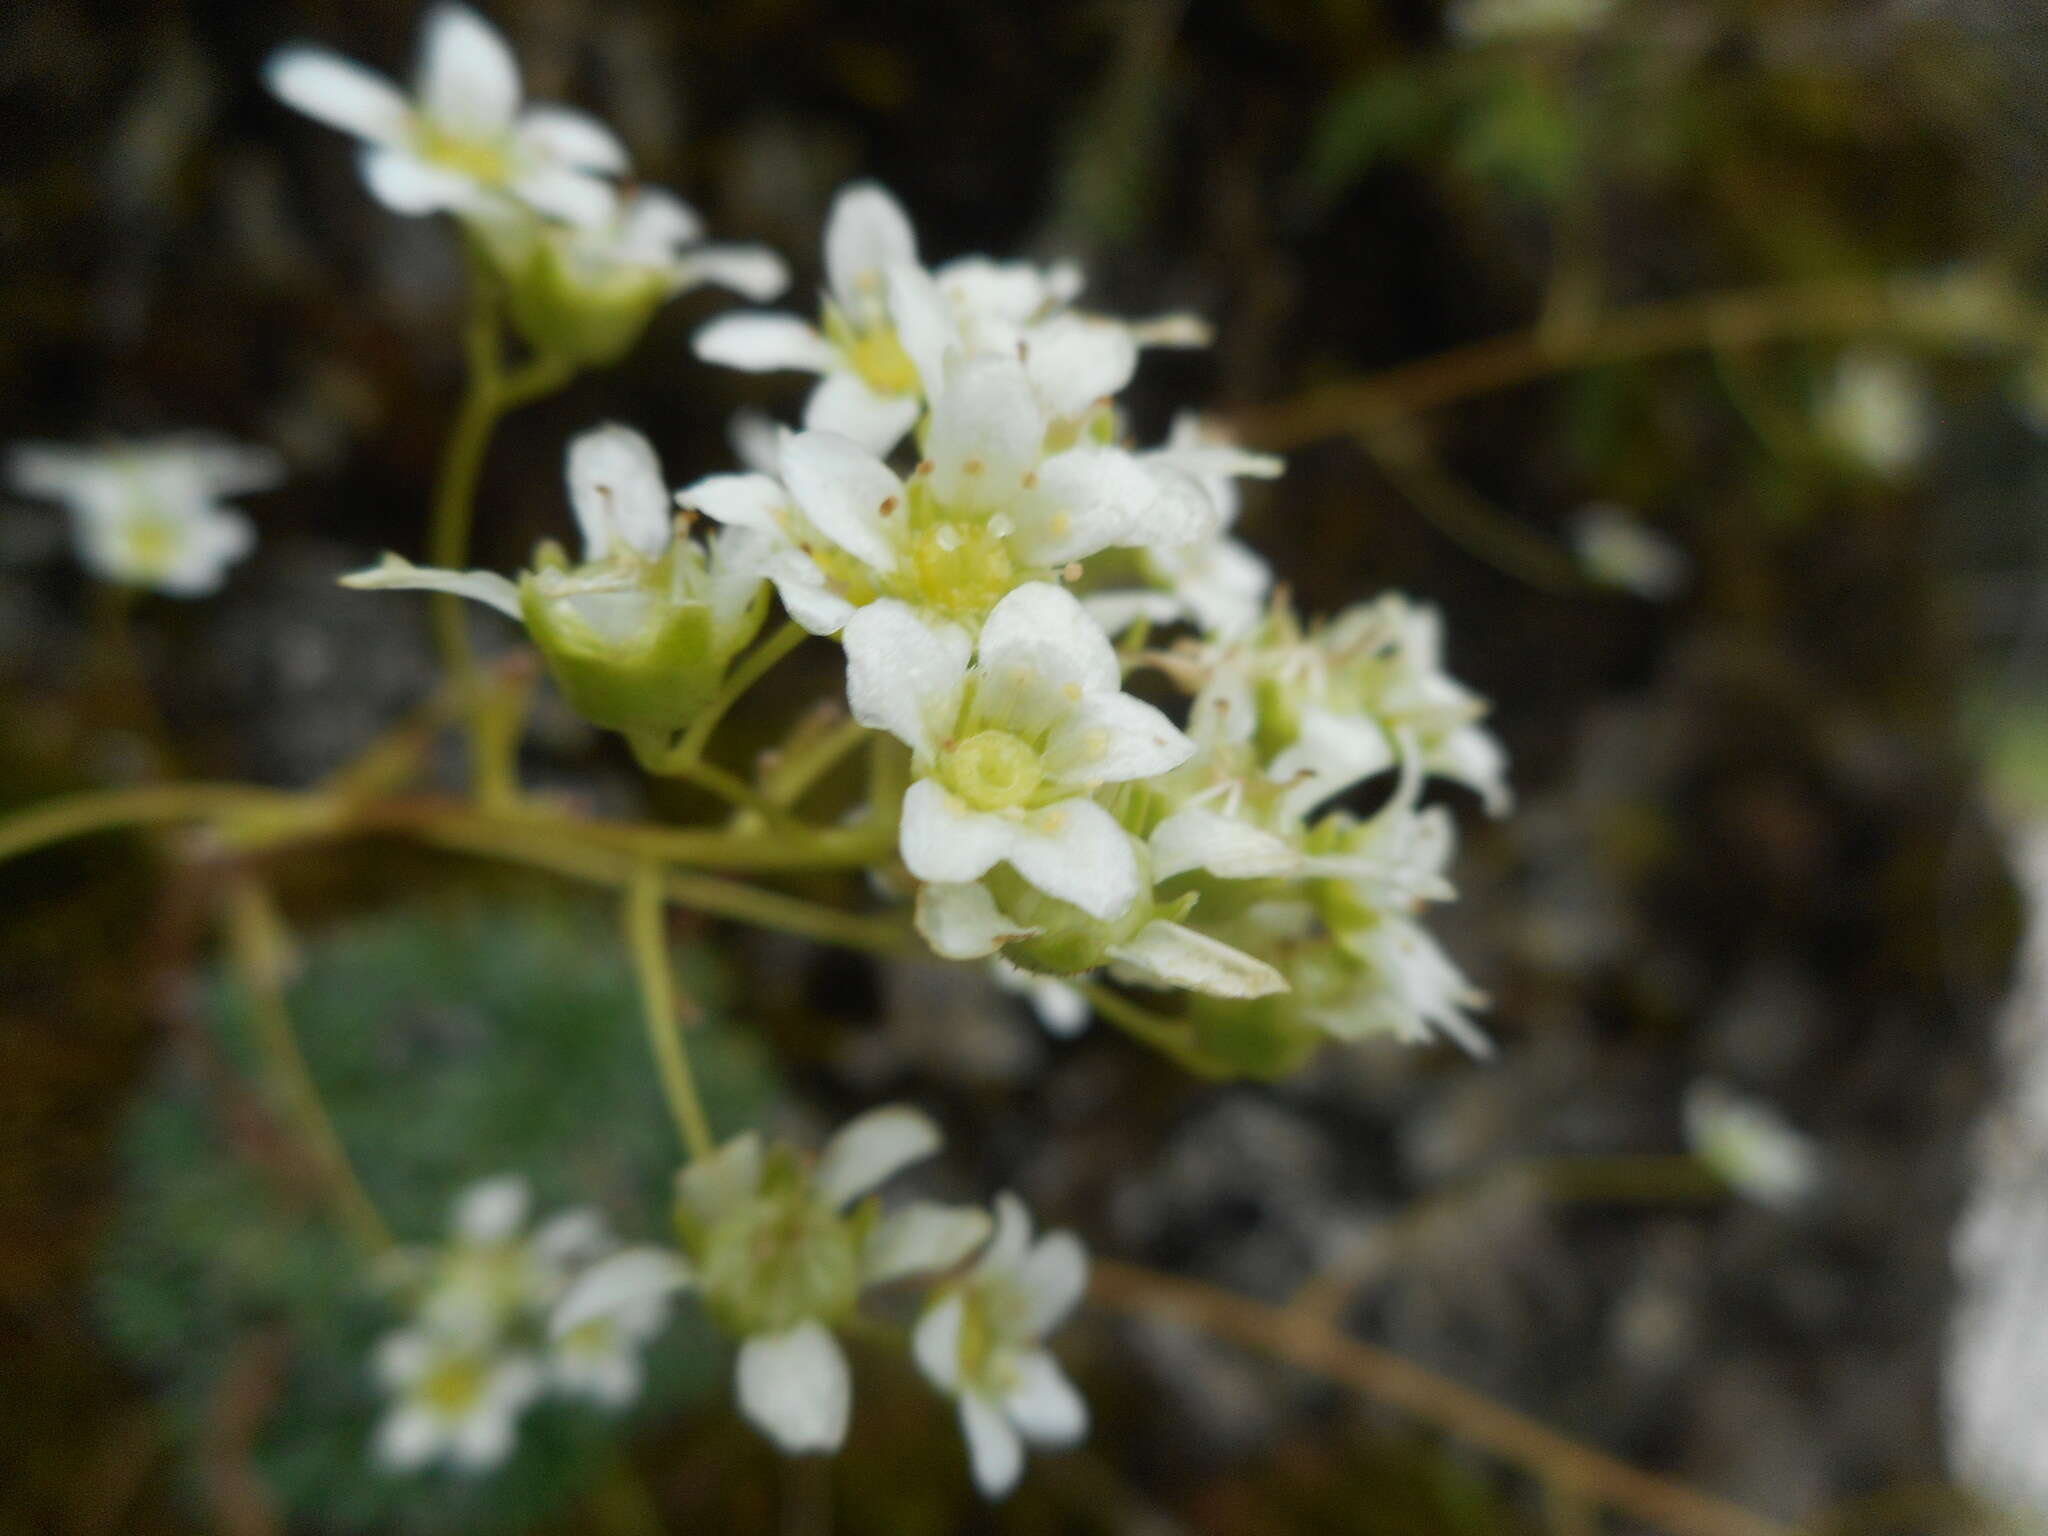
257,945
1323,1350
645,907
750,671
1169,1037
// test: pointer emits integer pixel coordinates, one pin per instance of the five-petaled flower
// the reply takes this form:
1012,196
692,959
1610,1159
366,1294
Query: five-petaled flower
462,144
781,1248
153,512
982,1342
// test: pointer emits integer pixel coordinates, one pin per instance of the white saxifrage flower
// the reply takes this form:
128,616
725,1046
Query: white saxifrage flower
982,1342
888,327
1010,735
1059,1006
780,1249
1217,582
869,390
987,509
1617,550
152,512
640,633
1749,1146
452,1399
462,143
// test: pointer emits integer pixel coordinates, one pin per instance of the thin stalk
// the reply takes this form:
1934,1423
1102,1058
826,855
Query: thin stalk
752,667
1312,1345
1167,1036
79,815
647,939
258,947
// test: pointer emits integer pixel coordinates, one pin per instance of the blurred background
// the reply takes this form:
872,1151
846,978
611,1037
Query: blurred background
1758,284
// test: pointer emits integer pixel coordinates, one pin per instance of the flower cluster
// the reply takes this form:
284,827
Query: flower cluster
781,1248
584,260
477,1351
152,513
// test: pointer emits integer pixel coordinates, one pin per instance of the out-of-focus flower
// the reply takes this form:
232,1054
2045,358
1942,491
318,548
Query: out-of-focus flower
639,634
152,513
587,291
780,1248
453,1400
1059,1006
1616,550
462,142
1875,413
1746,1144
982,1342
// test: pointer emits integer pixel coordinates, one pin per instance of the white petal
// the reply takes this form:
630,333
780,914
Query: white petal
866,233
392,574
617,493
1200,838
484,1439
469,81
1110,738
843,488
807,594
993,1447
942,839
905,674
751,271
401,1358
1091,499
1076,360
575,197
844,404
493,1210
655,223
1006,1250
1115,612
406,184
924,324
738,501
765,343
625,1280
577,140
795,1387
986,434
1045,629
1043,1403
921,1239
962,921
1181,957
935,1342
1053,1278
339,93
710,1187
1075,850
407,1438
870,1149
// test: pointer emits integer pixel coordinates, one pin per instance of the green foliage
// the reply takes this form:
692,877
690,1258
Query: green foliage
450,1045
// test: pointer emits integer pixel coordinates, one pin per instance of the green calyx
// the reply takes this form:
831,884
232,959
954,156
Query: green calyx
781,1257
590,317
631,657
1069,940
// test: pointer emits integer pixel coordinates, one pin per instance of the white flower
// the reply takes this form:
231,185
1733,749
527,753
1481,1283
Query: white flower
1008,751
1488,20
490,1272
1616,550
1062,1008
870,390
453,1400
1875,411
982,1343
462,143
600,1360
639,634
1746,1144
1216,581
152,513
986,510
890,331
654,237
780,1252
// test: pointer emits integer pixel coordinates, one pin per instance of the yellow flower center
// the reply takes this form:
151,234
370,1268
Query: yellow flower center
993,770
151,544
878,357
478,160
453,1387
959,569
